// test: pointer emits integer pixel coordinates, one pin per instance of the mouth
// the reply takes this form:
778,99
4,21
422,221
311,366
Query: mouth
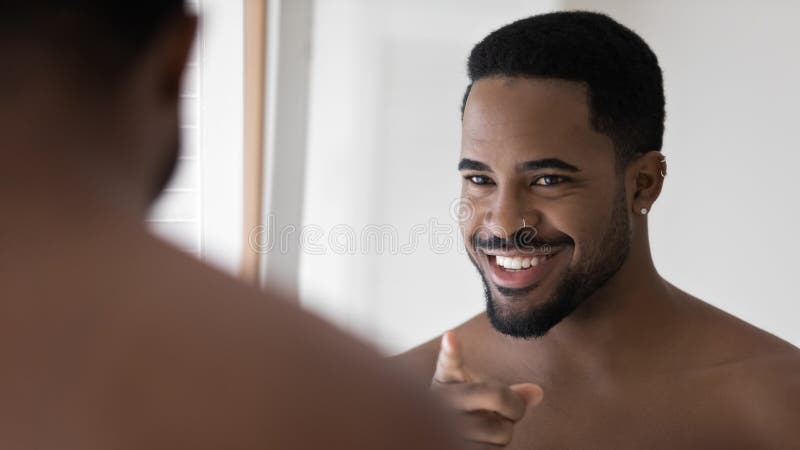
517,270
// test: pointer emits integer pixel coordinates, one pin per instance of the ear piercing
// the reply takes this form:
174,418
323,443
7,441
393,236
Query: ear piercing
643,211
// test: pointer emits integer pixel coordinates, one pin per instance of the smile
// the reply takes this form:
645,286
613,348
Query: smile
521,270
520,262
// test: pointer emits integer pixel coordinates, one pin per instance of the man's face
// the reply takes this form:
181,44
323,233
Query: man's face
530,157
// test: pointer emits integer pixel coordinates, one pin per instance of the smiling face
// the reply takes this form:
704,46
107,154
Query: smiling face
549,222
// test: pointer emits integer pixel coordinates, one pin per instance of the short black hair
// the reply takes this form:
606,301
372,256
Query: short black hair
623,79
99,38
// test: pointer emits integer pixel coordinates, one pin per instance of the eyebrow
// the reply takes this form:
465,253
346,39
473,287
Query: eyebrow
547,163
536,164
471,164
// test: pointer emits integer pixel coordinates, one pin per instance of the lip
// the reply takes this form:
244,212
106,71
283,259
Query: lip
518,253
523,278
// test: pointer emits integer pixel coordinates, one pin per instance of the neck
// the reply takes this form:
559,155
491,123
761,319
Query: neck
58,150
625,320
60,188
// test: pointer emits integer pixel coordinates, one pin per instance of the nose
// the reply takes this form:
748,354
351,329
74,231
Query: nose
508,213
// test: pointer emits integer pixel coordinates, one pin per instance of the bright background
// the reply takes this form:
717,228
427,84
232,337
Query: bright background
375,130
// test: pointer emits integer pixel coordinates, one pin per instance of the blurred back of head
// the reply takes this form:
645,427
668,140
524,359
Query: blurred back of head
92,87
91,43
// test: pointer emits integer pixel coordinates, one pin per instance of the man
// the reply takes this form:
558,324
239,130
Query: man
111,339
561,163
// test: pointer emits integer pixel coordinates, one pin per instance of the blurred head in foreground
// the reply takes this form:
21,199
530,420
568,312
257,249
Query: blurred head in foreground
90,91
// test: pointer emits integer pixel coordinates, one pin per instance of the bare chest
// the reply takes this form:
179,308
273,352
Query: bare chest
657,414
668,410
624,424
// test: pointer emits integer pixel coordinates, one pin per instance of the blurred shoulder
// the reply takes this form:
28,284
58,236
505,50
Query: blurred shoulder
420,361
246,368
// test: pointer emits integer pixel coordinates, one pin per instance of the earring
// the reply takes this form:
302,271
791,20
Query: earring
523,223
643,211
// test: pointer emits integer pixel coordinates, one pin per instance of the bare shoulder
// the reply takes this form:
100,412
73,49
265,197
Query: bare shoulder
764,395
758,371
185,347
715,337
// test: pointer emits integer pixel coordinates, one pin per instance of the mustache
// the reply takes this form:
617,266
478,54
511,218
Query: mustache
524,239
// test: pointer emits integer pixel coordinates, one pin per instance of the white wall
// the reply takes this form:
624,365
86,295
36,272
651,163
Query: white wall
222,140
201,209
386,83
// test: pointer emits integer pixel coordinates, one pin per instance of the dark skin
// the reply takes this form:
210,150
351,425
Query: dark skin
640,363
111,339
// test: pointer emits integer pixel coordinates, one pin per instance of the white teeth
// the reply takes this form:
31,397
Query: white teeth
516,262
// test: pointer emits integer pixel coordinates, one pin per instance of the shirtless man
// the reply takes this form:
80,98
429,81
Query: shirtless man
561,162
111,339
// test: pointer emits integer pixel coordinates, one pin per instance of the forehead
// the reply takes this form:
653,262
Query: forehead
514,118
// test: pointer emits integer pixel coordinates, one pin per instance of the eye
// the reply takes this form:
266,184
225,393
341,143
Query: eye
478,179
549,180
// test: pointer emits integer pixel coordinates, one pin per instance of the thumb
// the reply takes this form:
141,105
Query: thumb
531,394
450,364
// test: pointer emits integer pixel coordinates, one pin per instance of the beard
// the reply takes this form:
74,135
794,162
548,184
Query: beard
577,284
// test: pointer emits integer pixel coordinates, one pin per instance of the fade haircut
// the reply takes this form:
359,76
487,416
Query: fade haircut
621,73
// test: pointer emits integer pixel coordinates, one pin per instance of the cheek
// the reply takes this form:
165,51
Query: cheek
469,224
468,212
583,222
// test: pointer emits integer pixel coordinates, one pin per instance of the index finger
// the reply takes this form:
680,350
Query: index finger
450,364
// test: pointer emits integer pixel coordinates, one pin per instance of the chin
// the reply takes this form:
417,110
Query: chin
528,302
526,316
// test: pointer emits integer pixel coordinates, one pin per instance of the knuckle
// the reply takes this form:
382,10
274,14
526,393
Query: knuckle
501,399
451,394
468,390
503,434
499,431
476,386
498,394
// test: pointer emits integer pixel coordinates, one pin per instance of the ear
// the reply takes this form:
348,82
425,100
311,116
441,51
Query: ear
646,174
174,47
